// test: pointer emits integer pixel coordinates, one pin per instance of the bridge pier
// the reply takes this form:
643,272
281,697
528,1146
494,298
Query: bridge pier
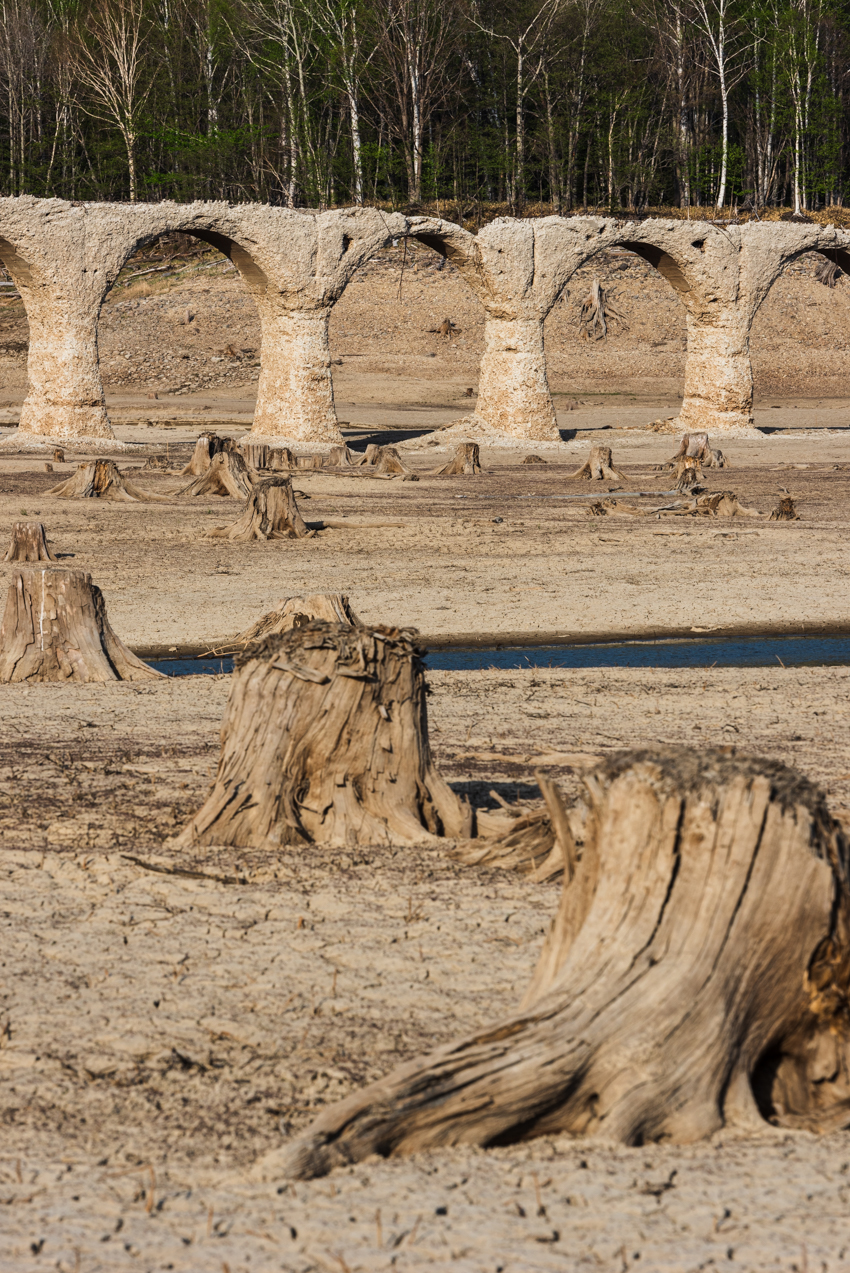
295,394
513,388
718,391
65,393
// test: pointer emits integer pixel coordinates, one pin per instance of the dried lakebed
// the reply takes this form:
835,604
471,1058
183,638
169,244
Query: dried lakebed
168,1017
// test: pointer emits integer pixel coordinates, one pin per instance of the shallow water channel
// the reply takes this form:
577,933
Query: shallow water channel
788,651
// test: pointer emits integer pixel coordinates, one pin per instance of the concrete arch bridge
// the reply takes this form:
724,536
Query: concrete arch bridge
65,257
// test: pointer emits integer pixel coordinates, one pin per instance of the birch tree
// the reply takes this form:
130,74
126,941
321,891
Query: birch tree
729,42
112,60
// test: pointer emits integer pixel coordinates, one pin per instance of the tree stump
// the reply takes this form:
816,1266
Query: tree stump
785,511
59,456
716,504
207,445
280,457
599,467
389,461
696,446
29,543
256,455
55,629
534,459
688,473
228,474
696,976
342,457
297,612
270,513
325,738
102,479
465,460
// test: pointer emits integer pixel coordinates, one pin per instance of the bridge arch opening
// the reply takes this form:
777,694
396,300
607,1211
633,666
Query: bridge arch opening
181,319
799,343
387,350
641,365
15,273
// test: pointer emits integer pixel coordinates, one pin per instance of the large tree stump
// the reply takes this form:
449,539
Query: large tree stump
228,474
207,445
297,612
270,513
29,543
102,479
599,466
696,976
55,629
325,738
466,460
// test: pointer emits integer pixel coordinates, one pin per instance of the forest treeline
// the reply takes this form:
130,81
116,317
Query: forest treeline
599,104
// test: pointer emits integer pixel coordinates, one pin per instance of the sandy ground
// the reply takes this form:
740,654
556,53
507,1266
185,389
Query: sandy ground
166,1023
166,1018
504,552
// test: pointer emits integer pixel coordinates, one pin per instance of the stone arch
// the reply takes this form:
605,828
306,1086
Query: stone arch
235,252
817,334
663,262
144,343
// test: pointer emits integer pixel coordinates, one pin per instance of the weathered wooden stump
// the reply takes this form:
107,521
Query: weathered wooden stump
599,466
29,543
270,513
256,455
696,976
389,461
55,629
102,479
466,460
325,738
717,504
343,457
59,456
688,473
534,459
785,511
696,446
297,612
309,461
228,474
280,458
207,445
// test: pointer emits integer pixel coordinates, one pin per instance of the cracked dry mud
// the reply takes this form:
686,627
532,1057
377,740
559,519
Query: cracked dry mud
169,1016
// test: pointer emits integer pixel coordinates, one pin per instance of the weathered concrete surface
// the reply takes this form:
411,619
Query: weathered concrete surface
295,398
64,258
502,265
